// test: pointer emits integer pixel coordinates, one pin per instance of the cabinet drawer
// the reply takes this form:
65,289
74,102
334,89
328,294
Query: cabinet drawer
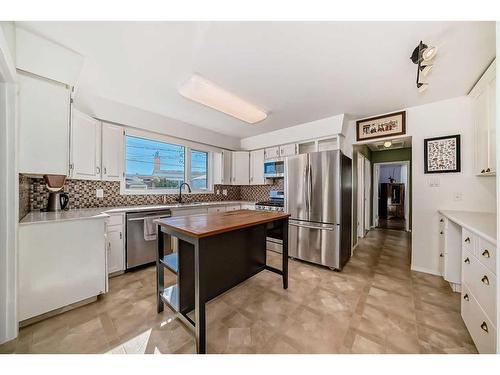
486,253
467,241
115,220
213,210
481,329
233,207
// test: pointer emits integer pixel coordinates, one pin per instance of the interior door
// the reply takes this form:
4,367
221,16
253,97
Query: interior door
112,152
314,242
85,146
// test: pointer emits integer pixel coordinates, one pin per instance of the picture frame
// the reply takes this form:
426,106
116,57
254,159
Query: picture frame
442,154
388,125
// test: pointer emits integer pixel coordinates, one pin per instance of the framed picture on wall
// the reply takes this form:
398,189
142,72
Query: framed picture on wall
381,126
442,154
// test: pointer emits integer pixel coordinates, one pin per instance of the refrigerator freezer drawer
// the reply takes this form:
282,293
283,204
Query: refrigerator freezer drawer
315,243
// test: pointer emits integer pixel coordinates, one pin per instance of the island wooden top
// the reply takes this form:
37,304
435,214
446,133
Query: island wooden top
205,225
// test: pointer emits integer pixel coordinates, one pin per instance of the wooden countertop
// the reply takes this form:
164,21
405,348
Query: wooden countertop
205,225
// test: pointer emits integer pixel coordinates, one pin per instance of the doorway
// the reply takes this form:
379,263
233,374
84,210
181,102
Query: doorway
363,197
391,193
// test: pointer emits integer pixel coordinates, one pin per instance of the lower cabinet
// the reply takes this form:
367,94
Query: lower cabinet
214,210
115,246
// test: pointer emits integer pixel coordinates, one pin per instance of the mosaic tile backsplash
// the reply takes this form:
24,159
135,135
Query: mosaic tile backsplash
33,194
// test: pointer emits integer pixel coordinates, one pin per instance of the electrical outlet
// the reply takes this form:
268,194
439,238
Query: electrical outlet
434,182
457,197
217,192
224,191
99,193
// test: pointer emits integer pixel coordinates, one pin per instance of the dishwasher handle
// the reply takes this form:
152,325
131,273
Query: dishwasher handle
149,217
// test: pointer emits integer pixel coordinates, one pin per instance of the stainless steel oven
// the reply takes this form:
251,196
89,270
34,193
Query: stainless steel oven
274,169
141,245
274,239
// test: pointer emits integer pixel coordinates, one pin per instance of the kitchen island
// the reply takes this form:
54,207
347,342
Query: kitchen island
216,252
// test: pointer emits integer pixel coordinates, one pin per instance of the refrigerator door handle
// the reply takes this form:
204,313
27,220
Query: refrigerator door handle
311,226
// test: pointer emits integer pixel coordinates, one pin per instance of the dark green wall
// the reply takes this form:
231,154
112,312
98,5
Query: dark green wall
401,154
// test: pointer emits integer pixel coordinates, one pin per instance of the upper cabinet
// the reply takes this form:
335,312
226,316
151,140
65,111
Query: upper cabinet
281,151
484,114
240,168
44,108
257,167
85,158
112,152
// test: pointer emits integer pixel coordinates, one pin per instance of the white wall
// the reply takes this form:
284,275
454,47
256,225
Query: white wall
316,129
446,117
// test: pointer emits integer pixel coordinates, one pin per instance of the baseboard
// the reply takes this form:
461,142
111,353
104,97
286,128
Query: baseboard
425,270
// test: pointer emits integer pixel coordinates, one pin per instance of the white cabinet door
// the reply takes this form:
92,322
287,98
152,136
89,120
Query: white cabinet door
233,207
112,152
215,210
43,126
492,125
480,113
288,150
240,168
272,152
85,146
257,168
115,249
226,167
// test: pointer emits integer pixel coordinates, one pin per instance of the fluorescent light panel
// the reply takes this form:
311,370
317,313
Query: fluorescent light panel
205,92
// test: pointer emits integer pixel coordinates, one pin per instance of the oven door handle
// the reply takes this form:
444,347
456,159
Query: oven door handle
149,217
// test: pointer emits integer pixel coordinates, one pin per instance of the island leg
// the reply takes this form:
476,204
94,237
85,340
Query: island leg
160,285
285,254
200,296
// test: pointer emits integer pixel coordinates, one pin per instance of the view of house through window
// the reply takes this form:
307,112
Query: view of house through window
153,164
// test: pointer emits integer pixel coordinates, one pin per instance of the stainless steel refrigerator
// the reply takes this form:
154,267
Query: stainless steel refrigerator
318,195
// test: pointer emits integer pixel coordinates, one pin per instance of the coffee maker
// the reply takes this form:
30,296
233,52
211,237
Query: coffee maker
58,200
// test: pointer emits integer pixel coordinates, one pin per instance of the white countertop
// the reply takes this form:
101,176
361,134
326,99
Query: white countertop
102,212
484,224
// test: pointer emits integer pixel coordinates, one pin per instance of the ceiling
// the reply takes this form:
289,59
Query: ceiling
296,71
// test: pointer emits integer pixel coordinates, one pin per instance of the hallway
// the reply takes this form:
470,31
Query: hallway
375,305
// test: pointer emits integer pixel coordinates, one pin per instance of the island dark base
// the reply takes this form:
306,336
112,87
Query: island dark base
209,266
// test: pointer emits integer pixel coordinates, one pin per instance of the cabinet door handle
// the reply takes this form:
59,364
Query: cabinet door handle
98,170
441,232
120,235
488,170
466,260
109,246
466,297
485,280
467,240
441,220
482,171
484,327
441,255
485,254
105,170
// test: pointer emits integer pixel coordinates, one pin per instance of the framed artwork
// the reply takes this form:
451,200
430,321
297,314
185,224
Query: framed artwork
442,154
381,126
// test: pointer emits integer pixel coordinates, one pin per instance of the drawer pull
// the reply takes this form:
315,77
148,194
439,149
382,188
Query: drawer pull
486,254
488,170
441,255
467,240
482,171
440,232
466,260
485,280
466,297
484,327
441,220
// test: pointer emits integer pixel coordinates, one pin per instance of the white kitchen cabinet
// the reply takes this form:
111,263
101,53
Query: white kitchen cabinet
85,146
222,167
115,249
257,167
288,150
217,209
60,263
44,108
483,97
240,168
272,152
233,207
112,152
248,206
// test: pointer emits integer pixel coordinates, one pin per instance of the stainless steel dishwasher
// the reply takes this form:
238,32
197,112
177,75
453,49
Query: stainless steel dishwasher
139,250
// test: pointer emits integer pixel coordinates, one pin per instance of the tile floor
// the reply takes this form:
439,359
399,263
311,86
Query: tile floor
375,305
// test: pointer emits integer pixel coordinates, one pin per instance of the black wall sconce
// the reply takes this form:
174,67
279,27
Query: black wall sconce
422,56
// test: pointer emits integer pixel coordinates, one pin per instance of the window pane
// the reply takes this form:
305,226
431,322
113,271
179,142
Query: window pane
199,169
152,164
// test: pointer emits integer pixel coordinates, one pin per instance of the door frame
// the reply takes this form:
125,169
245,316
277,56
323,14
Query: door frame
367,190
360,224
376,175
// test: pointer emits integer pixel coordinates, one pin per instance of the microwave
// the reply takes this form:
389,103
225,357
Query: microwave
274,169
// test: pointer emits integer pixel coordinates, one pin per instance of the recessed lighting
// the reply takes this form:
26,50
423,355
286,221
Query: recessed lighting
205,92
387,144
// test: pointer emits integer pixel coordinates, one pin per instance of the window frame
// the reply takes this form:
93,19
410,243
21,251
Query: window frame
188,146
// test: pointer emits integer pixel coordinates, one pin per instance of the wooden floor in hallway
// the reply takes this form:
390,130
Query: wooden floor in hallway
375,305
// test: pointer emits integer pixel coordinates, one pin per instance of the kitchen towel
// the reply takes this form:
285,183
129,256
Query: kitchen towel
150,228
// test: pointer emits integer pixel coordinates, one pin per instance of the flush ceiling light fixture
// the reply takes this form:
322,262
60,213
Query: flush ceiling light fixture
387,144
205,92
422,55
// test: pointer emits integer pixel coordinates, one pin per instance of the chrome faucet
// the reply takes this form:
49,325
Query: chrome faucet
179,199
